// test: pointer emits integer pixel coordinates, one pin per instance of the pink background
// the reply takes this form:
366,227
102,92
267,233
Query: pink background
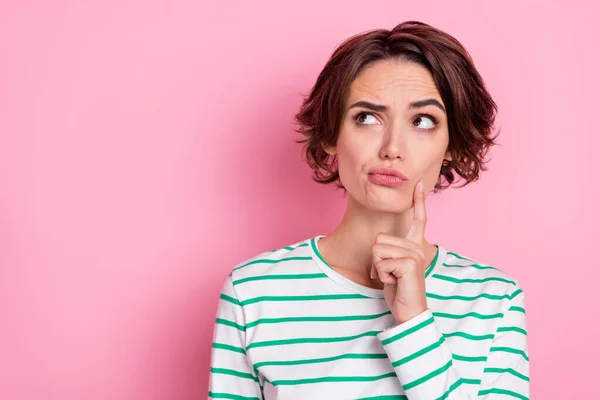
146,147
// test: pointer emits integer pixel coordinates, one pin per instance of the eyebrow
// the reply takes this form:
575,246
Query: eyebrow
415,104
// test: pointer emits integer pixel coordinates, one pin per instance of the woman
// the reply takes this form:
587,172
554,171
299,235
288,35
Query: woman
373,310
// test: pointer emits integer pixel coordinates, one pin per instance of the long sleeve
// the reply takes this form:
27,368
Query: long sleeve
507,367
231,375
423,360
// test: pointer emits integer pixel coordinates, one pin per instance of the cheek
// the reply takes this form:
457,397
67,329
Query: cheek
432,171
350,161
350,156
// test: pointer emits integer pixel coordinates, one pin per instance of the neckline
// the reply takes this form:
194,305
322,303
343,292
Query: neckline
356,287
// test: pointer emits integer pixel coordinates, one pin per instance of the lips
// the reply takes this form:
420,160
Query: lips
387,177
388,172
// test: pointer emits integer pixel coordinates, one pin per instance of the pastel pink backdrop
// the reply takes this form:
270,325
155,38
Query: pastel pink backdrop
146,147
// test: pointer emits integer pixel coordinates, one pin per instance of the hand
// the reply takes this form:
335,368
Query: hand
400,265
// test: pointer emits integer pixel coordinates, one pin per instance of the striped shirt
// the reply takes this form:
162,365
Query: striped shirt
290,327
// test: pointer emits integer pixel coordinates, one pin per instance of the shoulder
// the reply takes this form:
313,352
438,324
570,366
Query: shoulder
475,275
285,259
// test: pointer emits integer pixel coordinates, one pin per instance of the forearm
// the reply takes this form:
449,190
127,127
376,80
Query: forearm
422,360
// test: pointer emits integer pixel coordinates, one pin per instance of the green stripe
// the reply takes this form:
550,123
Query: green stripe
476,266
278,277
471,381
469,314
333,379
469,336
517,308
233,373
512,329
262,386
408,331
230,323
230,299
469,280
224,346
502,391
322,360
427,377
268,261
432,265
469,359
419,353
388,397
304,298
316,251
451,389
468,298
232,396
512,296
509,370
290,247
510,350
316,319
311,340
459,256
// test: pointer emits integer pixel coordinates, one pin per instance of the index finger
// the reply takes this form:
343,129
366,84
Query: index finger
416,232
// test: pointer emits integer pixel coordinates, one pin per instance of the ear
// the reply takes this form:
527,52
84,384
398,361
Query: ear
331,150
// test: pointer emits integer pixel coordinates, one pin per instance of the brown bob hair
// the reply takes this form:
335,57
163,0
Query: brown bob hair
470,109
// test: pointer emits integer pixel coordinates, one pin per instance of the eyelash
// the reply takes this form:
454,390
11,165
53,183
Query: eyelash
431,117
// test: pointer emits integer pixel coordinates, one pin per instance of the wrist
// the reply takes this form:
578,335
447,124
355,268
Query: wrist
406,315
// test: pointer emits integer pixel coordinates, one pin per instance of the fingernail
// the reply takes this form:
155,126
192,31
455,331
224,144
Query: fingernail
372,274
420,188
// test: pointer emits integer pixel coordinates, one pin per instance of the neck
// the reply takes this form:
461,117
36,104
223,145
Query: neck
350,245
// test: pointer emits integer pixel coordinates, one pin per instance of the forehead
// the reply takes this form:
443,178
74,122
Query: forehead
392,81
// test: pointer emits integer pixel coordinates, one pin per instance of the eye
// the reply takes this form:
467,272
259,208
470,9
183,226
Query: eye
362,116
430,121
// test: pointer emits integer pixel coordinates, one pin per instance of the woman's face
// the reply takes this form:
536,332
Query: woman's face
409,138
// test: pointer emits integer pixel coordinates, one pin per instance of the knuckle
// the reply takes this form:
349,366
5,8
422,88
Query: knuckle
405,242
412,264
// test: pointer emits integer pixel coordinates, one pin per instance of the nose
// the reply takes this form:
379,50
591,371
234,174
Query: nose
393,145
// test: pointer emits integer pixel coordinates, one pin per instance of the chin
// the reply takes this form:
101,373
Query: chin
385,208
392,204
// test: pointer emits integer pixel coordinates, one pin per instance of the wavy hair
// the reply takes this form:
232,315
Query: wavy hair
470,109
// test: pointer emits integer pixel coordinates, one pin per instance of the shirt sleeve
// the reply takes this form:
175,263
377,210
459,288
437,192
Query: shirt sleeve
423,363
507,369
231,374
